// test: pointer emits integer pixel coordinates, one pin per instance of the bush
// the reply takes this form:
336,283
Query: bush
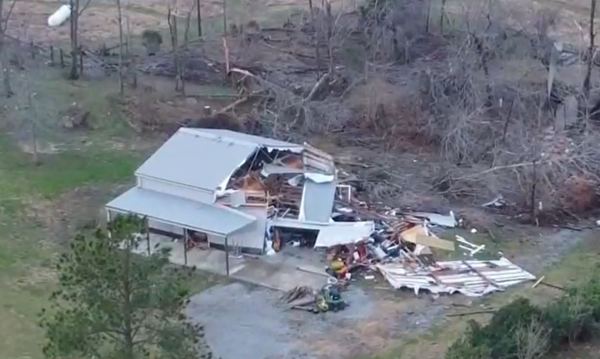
589,292
467,347
521,330
571,320
498,338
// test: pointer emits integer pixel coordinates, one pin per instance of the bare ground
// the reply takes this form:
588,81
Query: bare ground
98,23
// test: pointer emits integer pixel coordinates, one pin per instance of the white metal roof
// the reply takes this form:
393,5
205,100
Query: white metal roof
205,158
181,212
193,160
242,138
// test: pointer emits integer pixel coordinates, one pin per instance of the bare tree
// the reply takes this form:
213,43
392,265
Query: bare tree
224,16
120,20
76,11
4,18
199,18
180,51
590,52
132,67
173,31
186,41
32,112
533,340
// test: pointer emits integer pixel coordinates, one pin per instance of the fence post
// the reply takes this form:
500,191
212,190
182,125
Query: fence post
32,48
51,55
62,57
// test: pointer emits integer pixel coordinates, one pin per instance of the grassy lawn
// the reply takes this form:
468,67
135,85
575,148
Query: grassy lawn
26,250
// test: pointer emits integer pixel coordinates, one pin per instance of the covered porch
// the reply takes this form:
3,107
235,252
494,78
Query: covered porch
172,220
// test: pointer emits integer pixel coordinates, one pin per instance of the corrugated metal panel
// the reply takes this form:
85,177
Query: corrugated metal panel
242,138
456,277
196,161
317,200
343,233
181,212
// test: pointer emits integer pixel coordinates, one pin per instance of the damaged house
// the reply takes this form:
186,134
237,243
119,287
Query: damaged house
229,188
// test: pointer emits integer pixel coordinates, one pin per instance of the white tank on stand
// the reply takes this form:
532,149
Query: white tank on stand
60,16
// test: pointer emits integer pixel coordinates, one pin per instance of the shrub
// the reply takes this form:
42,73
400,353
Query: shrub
498,338
468,347
521,330
570,318
533,340
590,293
152,40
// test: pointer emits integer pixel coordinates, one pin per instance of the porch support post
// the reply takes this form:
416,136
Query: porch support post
227,256
108,219
185,245
148,236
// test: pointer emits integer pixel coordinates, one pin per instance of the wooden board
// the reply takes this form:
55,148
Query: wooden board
410,235
434,242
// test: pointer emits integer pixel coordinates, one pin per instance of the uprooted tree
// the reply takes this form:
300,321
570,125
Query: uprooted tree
112,303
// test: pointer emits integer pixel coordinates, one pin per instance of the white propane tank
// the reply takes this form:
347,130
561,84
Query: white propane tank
60,16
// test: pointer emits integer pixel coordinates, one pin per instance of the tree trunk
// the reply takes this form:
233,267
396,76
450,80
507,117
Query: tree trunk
590,59
74,75
172,20
3,63
184,57
199,18
132,67
224,16
442,14
330,21
127,310
32,118
120,19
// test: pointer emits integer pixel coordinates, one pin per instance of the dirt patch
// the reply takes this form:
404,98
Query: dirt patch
271,331
74,211
40,147
37,276
98,23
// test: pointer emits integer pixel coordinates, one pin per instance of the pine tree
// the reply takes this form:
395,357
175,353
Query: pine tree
113,303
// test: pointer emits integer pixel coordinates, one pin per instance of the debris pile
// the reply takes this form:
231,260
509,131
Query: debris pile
401,247
328,298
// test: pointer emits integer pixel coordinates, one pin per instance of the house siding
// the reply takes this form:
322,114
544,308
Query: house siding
174,189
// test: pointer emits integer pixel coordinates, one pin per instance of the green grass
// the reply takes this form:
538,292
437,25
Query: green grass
88,157
27,249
